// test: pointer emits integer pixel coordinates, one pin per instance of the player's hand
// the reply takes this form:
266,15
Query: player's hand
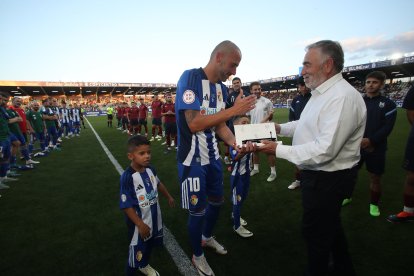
246,148
242,104
268,147
171,202
144,231
365,143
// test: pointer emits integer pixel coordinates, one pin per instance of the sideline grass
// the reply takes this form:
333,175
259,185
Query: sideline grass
63,218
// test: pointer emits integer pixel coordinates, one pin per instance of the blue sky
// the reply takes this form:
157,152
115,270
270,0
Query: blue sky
155,41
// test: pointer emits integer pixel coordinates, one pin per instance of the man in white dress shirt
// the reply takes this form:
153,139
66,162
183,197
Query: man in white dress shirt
326,147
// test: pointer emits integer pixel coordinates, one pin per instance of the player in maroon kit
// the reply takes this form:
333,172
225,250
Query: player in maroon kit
156,107
132,114
119,114
168,111
125,123
142,118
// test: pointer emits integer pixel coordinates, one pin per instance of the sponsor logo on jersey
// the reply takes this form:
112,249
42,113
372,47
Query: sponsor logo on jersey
123,197
219,96
188,97
194,200
139,256
208,110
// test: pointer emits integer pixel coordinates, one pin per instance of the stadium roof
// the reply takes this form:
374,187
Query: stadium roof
394,68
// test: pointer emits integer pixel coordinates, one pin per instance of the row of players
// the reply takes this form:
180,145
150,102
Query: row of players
20,128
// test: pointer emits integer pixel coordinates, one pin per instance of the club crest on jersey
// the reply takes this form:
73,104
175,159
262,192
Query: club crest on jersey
139,256
141,198
239,198
194,200
219,96
123,197
152,179
188,97
381,105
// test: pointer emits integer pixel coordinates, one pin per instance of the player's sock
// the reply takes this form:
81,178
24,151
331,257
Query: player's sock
131,271
25,153
13,159
375,197
256,167
211,217
273,170
194,226
236,216
3,172
31,146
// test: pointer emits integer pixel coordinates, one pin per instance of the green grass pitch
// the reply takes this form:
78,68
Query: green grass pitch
63,217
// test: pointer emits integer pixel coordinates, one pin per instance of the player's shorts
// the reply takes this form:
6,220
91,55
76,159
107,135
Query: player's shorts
239,187
51,130
200,182
140,250
142,122
170,128
5,150
110,116
133,122
408,163
39,136
156,121
76,123
374,161
125,120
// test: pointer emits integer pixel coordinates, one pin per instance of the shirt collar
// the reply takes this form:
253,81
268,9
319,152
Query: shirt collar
329,83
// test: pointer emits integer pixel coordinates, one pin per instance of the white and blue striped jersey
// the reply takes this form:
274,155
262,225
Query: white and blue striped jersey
241,166
65,115
195,92
139,191
75,115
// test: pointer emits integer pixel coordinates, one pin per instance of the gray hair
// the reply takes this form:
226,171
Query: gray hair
330,49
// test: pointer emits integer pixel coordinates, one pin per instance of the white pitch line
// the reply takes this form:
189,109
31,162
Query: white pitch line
180,259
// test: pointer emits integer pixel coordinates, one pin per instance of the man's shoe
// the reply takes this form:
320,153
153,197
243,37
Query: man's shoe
295,184
39,154
30,161
26,167
202,266
13,173
271,177
242,221
164,143
253,172
401,217
346,201
8,179
374,210
243,232
4,186
152,139
212,243
148,270
172,143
